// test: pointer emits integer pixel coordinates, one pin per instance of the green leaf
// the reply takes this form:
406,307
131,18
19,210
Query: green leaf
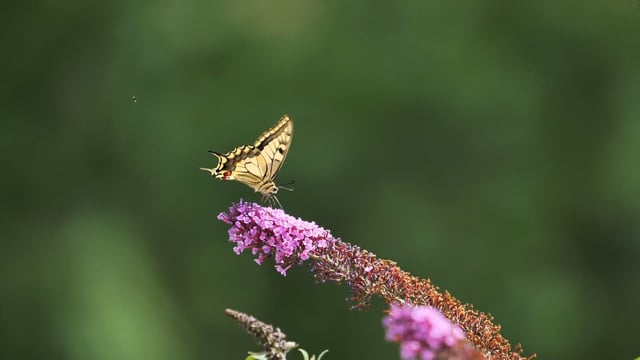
305,355
322,354
257,356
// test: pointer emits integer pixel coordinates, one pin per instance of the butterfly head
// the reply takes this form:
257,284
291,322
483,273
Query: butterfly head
267,189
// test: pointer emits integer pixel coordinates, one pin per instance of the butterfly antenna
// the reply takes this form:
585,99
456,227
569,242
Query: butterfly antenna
287,188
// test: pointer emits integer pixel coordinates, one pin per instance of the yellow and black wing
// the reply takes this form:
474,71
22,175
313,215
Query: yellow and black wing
257,165
273,145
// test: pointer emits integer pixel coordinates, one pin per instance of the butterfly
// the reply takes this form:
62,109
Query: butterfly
257,165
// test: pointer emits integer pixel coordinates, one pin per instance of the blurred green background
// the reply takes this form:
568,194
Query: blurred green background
490,146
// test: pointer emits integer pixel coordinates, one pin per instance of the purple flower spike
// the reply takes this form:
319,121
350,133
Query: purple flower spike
422,331
270,232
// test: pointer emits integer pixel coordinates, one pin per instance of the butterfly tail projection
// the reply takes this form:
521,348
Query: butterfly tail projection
213,170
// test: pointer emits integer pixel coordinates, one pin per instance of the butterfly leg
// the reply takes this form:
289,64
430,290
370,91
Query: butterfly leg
271,201
274,198
267,200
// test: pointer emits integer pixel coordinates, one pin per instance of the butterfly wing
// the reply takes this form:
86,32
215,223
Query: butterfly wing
257,165
239,164
273,145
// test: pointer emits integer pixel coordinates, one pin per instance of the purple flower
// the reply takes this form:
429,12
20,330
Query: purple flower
421,331
270,232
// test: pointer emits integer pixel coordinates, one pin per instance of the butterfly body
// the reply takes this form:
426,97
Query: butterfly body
257,165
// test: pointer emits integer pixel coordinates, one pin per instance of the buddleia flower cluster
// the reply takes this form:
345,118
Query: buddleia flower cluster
424,333
271,338
271,233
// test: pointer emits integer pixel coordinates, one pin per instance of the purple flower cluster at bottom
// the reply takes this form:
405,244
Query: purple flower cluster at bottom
421,331
271,232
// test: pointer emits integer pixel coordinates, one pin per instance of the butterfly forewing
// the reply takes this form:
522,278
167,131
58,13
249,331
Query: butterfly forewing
274,146
257,165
